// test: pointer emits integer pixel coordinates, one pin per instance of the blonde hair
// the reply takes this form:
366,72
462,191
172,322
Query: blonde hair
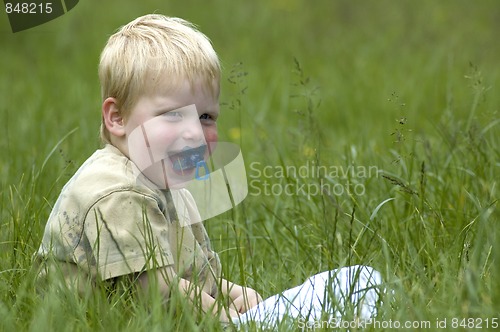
151,46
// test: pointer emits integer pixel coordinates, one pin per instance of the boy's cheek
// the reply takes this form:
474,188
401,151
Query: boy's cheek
211,135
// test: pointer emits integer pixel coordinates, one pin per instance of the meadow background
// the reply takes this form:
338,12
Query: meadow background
408,87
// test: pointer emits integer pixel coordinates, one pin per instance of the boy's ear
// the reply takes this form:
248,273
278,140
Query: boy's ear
113,119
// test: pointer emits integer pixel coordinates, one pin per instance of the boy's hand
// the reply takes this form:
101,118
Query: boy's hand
248,298
240,298
165,275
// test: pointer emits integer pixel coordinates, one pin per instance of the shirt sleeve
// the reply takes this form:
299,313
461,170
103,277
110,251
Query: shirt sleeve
125,232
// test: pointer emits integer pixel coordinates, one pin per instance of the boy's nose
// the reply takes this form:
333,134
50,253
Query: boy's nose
192,130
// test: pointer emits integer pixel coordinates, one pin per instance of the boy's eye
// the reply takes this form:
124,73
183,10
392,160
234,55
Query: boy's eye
207,117
173,116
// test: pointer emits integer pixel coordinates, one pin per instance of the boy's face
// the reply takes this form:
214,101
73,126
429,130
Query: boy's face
169,132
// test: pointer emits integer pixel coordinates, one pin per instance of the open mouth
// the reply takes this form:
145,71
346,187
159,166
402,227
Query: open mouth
188,158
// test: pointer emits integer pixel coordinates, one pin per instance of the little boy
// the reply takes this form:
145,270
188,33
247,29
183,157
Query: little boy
126,213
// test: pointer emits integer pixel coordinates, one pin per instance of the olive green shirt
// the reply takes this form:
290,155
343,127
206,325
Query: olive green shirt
107,223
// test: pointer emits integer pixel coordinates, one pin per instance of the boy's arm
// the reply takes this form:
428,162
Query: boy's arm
242,298
195,294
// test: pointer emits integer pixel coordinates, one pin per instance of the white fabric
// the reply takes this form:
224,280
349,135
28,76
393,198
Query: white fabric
349,287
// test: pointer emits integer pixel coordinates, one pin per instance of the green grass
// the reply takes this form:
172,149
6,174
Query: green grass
408,87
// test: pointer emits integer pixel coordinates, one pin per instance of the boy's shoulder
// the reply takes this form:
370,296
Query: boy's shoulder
105,172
